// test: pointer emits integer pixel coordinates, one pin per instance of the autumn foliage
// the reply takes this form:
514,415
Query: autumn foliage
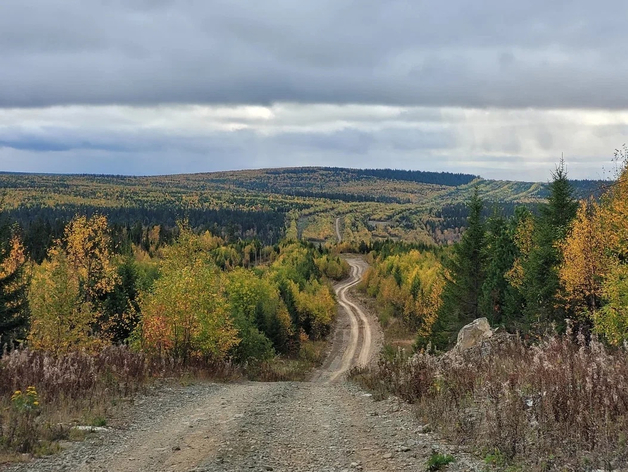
410,285
13,285
67,287
595,271
540,270
196,299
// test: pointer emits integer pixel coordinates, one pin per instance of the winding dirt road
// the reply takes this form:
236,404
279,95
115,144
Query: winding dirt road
353,344
326,424
338,235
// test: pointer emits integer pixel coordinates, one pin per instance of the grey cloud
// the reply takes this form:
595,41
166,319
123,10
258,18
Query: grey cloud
515,144
458,53
142,153
233,143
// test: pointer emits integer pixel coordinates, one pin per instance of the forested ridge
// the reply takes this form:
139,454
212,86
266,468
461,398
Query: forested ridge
415,206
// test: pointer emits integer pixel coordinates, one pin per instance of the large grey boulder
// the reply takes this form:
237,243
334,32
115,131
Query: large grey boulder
473,334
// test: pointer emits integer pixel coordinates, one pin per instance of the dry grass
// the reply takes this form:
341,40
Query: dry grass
77,388
559,405
311,355
85,389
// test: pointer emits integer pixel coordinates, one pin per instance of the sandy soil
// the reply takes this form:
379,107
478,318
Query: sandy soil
338,235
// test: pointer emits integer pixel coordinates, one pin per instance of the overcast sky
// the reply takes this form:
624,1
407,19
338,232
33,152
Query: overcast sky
493,87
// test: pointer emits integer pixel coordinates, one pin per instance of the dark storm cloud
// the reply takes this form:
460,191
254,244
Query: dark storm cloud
457,53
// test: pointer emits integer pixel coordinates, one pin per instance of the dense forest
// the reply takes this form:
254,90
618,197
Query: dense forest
194,295
511,264
438,178
40,226
506,266
376,204
529,268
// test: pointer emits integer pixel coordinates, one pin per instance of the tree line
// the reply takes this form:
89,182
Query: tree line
437,178
195,296
560,268
39,226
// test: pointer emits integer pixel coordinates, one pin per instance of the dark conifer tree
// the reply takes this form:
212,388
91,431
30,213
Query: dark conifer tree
294,343
13,303
120,310
500,256
465,277
541,282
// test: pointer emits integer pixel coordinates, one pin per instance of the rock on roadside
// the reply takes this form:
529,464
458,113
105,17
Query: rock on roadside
473,334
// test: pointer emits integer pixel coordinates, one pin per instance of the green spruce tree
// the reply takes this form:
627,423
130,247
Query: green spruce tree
541,282
13,304
464,278
520,227
500,255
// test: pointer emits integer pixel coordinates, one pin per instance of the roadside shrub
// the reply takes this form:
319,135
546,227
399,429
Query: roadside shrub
561,403
332,267
254,346
438,461
21,429
42,393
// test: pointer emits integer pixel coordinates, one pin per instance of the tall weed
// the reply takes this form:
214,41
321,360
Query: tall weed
41,394
558,405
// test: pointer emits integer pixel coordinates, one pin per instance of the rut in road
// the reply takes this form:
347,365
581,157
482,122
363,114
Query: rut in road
322,425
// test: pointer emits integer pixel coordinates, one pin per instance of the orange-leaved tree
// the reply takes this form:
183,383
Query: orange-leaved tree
585,263
89,253
612,319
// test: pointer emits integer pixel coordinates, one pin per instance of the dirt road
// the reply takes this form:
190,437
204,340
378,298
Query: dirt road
353,342
326,424
338,235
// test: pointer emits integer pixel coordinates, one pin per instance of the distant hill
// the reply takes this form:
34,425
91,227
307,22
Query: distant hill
437,178
372,203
